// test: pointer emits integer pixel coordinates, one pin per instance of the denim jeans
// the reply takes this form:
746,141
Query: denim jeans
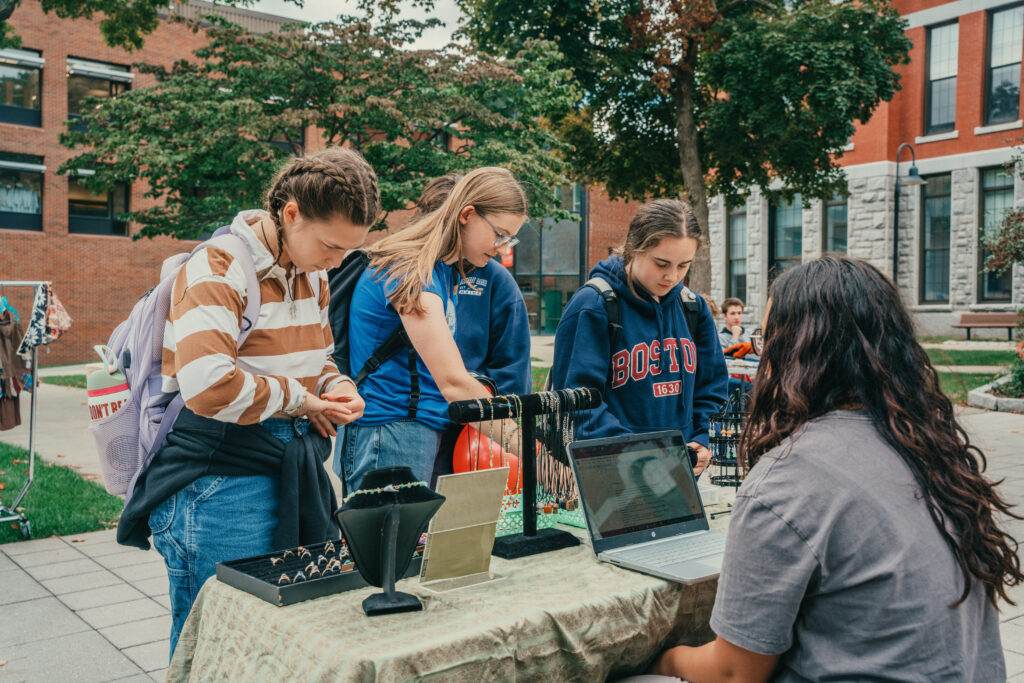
405,442
215,519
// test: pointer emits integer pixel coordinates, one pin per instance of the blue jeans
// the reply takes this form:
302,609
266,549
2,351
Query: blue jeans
405,442
215,519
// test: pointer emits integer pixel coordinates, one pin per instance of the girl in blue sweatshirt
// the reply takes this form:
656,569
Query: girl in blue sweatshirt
656,373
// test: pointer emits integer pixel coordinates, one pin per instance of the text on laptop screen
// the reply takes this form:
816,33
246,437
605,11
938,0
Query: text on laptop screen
628,487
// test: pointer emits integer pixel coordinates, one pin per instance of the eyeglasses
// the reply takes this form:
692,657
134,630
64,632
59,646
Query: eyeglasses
503,239
757,341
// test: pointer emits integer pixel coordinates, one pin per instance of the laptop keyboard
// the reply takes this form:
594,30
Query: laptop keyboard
664,554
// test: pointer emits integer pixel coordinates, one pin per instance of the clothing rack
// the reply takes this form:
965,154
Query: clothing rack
9,513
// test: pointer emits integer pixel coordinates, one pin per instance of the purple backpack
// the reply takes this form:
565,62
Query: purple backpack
128,439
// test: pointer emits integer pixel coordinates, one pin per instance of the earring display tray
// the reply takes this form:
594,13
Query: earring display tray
261,575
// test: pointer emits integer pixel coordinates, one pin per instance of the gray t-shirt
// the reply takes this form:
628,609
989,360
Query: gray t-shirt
833,561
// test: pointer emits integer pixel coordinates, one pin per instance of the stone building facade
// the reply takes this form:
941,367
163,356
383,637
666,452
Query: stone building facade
961,151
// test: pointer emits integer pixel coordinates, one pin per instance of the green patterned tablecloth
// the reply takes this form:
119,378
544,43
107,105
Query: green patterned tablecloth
560,616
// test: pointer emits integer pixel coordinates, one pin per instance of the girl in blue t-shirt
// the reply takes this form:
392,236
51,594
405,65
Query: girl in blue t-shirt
412,281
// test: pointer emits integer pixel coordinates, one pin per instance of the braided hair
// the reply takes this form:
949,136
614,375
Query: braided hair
335,181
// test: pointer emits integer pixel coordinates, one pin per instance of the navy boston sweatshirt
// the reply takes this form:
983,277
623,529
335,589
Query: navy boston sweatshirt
660,375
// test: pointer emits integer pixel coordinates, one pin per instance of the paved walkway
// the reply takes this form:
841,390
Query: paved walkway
83,608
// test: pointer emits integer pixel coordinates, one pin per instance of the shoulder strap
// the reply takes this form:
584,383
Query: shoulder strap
691,309
395,342
240,252
611,306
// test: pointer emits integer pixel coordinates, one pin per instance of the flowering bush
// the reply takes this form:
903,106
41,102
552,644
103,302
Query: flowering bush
1015,387
1006,244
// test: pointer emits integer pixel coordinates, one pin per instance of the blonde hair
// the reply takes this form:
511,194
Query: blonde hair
408,256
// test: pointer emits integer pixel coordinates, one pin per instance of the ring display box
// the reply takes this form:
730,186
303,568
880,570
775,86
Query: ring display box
259,575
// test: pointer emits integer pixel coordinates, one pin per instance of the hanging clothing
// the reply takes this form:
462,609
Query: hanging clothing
57,319
14,368
36,334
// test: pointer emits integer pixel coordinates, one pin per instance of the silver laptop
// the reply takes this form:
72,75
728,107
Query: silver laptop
642,506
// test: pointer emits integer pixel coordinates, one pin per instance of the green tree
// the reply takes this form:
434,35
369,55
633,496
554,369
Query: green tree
200,137
706,96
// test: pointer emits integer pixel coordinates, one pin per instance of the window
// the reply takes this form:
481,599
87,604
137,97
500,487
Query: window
570,197
548,264
736,241
996,198
96,214
940,91
935,240
94,79
1005,38
292,140
785,245
21,191
20,90
835,225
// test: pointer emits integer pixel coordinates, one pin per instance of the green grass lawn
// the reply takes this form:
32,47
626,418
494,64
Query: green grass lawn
539,376
77,381
956,385
969,357
58,502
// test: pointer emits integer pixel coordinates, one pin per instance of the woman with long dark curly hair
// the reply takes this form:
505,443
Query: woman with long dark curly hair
863,544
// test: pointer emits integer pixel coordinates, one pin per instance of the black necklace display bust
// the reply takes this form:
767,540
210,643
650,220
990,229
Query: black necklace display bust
382,523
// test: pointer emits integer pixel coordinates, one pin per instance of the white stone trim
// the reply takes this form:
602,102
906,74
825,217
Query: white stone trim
937,137
950,11
20,166
932,308
848,147
22,58
994,307
998,127
944,164
85,67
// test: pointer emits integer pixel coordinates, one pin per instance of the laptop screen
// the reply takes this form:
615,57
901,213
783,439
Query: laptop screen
634,485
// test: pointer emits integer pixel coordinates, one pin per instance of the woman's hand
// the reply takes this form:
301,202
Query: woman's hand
703,457
340,405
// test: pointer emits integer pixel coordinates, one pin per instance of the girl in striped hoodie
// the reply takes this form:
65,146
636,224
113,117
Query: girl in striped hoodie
242,472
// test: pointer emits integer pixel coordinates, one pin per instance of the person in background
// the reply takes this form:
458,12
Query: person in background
493,330
733,333
865,543
656,373
712,306
412,281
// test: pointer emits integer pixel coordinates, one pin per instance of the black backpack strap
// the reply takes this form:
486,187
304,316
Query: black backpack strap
414,383
691,309
611,306
392,345
395,342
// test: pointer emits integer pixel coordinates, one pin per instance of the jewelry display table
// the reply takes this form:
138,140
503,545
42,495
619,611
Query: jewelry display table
557,616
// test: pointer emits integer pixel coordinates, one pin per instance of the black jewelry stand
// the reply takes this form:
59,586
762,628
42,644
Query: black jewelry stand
527,406
382,530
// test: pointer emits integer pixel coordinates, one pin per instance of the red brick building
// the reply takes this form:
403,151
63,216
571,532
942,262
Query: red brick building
50,228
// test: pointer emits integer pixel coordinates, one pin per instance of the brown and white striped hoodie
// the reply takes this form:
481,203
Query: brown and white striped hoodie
287,353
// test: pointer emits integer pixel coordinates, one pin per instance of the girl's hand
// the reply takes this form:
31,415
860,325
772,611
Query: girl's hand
345,393
344,406
703,457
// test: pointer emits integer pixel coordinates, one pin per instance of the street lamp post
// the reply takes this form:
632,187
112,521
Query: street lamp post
912,178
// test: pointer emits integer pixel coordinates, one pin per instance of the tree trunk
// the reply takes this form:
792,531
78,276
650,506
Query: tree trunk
699,278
